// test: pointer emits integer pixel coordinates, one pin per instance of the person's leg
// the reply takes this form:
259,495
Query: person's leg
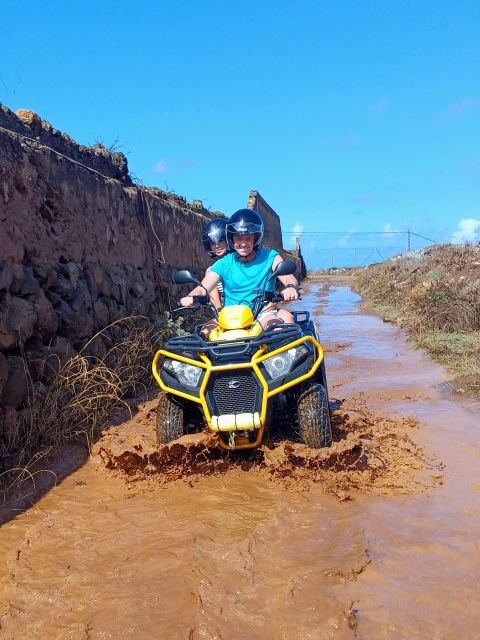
208,327
269,318
285,315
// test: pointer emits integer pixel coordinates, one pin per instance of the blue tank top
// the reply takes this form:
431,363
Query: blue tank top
241,278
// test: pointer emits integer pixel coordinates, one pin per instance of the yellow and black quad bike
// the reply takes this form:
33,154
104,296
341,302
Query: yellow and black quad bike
241,378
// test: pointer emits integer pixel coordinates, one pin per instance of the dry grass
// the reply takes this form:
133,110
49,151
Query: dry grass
82,393
435,295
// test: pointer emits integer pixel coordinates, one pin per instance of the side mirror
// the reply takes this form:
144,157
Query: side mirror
184,277
285,268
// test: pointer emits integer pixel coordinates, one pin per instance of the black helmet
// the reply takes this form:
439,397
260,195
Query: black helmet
243,222
213,231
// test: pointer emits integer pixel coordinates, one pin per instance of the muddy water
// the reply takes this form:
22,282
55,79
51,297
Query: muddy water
376,538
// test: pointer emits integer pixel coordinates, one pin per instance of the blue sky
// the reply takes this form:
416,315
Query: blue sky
348,115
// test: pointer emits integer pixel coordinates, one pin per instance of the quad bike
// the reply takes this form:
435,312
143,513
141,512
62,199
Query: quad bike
239,378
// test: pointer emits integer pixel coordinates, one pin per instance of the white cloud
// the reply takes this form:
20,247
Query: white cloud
160,167
344,240
388,230
297,231
468,231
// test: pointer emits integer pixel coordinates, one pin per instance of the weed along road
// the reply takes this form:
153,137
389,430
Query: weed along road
376,537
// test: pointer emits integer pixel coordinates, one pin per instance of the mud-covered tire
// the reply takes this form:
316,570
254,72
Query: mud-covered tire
313,416
170,422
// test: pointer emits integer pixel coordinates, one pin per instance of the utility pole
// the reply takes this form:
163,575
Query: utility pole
408,239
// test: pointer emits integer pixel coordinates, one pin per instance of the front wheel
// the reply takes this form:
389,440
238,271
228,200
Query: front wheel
170,419
314,416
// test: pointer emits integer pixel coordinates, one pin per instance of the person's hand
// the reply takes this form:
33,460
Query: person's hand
187,301
290,293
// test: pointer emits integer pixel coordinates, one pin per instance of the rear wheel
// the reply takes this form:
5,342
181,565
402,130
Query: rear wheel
314,416
170,419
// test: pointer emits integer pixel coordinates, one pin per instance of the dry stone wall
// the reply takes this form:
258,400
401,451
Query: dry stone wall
80,247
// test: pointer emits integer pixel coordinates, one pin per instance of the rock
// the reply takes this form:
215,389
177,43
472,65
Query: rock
82,298
3,373
23,281
65,315
17,320
47,322
102,313
74,325
119,278
92,286
96,348
84,326
46,274
29,284
54,298
31,119
6,275
15,390
113,289
71,271
63,286
101,279
9,427
63,349
137,288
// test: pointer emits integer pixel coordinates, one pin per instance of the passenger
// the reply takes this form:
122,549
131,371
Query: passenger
214,242
247,268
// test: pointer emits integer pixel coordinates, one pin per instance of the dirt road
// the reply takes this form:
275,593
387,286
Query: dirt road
377,537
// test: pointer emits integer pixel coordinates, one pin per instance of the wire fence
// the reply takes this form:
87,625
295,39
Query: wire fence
335,249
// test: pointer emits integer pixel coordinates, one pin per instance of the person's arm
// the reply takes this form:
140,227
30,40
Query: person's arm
289,282
215,299
215,296
209,283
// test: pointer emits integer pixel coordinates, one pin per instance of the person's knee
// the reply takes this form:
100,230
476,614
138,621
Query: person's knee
285,316
270,321
208,327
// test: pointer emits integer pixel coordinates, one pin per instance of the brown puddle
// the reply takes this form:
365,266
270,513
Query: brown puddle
370,455
376,537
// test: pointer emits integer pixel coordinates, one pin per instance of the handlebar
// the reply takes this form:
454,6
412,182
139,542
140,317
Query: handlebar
262,297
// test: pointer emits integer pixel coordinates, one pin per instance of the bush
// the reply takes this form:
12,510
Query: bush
84,391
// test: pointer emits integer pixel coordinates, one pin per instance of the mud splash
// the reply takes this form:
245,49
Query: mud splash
371,454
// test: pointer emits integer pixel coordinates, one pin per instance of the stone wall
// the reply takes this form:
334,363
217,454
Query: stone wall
81,246
30,125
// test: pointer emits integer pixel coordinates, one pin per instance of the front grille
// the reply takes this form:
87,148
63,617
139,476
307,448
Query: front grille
233,392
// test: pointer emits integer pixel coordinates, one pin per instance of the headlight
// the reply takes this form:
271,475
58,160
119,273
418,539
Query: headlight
186,374
277,366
